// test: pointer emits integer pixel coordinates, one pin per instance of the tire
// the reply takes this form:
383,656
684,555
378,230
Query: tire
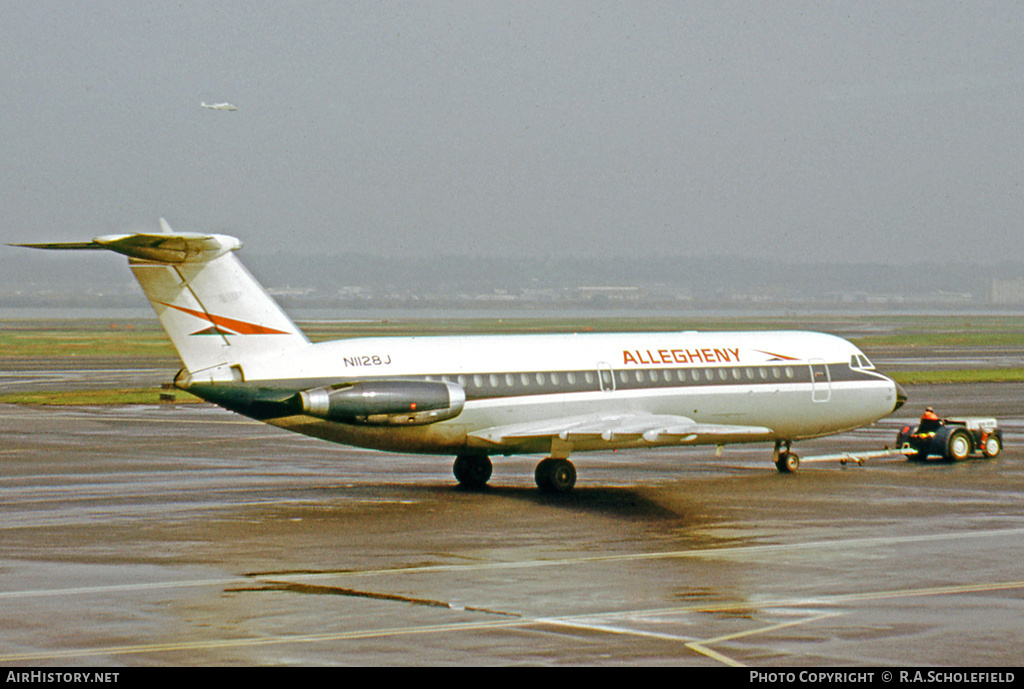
787,463
958,446
992,446
473,471
555,476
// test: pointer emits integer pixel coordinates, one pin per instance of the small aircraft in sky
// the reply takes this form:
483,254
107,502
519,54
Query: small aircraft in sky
477,397
218,106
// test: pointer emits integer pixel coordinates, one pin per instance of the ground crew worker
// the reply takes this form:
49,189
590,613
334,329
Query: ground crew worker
929,421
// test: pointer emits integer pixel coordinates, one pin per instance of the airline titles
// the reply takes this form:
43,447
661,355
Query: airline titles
704,355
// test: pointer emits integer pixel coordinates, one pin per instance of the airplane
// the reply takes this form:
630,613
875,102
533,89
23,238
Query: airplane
482,396
218,106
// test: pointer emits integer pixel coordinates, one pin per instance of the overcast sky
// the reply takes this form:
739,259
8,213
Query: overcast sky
839,131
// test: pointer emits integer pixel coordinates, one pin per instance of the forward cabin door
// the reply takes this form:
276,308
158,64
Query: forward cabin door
605,376
821,381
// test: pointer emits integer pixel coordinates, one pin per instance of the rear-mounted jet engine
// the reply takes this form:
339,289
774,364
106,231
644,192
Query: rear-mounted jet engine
385,402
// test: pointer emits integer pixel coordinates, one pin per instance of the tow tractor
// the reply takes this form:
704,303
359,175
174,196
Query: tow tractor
953,439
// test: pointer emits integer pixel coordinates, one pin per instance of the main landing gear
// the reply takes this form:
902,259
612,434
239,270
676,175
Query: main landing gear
473,471
553,475
785,461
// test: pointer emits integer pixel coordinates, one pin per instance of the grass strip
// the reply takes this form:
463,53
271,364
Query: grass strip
100,397
981,375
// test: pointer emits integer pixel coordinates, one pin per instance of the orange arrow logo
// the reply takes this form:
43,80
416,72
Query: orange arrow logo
225,326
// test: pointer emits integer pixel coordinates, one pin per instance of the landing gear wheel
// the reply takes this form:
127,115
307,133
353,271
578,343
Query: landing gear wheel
992,446
787,463
958,446
555,475
472,471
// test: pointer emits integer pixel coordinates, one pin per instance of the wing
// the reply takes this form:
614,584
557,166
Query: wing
623,428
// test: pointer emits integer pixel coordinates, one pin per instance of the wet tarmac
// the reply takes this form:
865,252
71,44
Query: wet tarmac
182,534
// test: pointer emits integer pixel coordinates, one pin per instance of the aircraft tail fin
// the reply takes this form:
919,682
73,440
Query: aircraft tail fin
215,312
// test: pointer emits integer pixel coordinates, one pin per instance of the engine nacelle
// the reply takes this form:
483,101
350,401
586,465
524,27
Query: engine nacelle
385,402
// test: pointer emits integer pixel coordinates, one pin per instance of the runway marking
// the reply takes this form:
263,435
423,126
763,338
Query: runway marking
523,564
567,621
740,551
155,586
702,645
214,644
697,646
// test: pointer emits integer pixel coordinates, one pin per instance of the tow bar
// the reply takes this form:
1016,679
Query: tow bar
859,457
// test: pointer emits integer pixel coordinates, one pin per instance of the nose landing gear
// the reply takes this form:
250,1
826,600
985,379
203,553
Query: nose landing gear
785,461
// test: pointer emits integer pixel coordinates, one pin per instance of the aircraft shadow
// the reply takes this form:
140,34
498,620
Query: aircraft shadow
620,502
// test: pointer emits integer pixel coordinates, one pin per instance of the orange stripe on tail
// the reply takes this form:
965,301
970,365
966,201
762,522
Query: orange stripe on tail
237,327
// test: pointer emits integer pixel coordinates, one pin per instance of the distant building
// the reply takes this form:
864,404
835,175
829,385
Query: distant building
1008,291
610,293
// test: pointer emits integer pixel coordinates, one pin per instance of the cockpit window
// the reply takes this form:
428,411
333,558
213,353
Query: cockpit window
860,361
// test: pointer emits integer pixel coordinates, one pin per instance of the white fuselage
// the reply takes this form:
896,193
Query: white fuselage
793,384
490,395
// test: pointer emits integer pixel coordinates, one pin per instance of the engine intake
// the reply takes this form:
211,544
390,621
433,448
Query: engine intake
385,402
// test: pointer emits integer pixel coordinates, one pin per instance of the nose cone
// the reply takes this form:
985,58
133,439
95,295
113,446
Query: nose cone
901,396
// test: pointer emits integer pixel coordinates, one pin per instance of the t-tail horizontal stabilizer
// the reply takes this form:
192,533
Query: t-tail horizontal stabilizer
217,315
180,247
